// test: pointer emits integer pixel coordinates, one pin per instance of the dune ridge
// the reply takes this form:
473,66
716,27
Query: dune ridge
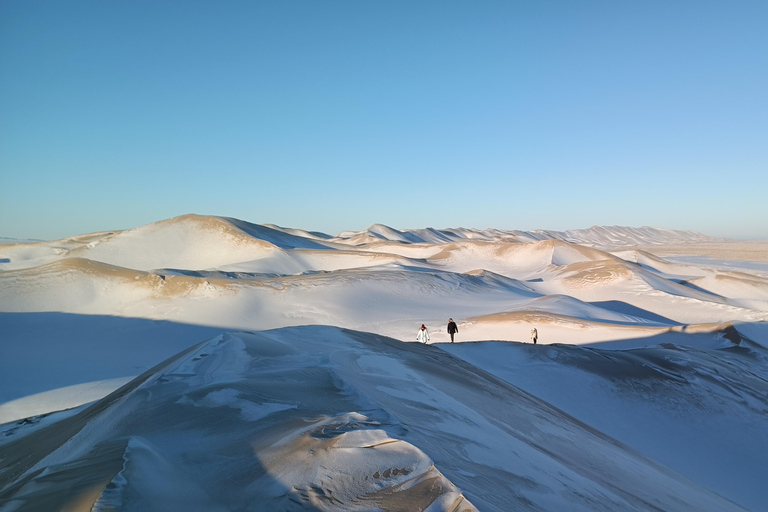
330,437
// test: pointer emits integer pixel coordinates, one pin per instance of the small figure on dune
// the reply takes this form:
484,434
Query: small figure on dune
423,334
534,335
452,328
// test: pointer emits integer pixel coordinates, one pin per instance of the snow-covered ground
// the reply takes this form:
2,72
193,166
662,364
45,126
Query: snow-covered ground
648,387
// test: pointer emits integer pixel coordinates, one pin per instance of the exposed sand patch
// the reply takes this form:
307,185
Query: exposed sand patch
596,272
565,253
204,222
499,250
518,256
544,318
89,267
161,285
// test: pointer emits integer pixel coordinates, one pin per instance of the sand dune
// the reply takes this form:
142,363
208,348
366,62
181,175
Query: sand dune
553,328
347,428
681,400
87,286
659,265
614,236
596,274
596,236
514,260
387,287
596,326
314,417
736,285
190,241
281,237
308,260
591,273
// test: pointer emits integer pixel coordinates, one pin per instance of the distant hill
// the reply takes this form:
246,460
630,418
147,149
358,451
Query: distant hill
606,236
10,241
290,238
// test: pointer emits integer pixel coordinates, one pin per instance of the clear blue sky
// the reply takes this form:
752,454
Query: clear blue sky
334,115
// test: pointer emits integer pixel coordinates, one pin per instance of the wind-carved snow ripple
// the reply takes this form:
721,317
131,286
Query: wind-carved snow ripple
354,465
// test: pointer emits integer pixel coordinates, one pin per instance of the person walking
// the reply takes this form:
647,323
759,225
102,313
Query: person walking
534,335
423,334
452,328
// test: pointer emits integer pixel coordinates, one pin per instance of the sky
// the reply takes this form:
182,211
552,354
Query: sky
335,115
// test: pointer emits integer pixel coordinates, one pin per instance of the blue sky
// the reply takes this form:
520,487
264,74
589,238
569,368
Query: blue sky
335,115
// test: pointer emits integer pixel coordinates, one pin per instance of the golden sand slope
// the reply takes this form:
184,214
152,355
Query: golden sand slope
160,284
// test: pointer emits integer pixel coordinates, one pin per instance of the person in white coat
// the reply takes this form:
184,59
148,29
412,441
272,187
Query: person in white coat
534,335
423,334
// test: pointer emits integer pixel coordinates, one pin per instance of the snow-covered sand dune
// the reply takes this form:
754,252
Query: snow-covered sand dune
672,327
604,236
325,419
697,409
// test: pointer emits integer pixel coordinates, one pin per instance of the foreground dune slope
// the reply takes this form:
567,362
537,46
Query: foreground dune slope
321,418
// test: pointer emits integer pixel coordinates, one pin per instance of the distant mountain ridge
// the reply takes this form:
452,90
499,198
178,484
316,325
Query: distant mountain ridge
596,235
4,240
292,238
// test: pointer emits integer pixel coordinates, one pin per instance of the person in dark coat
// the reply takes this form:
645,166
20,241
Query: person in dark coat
452,328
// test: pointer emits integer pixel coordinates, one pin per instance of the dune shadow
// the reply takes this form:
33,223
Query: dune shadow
45,351
692,286
279,238
726,339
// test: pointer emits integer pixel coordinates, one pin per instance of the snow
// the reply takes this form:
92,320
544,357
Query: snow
59,399
355,438
605,236
703,419
651,356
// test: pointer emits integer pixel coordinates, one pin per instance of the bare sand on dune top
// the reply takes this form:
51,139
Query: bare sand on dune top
557,324
597,271
161,284
544,318
553,252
